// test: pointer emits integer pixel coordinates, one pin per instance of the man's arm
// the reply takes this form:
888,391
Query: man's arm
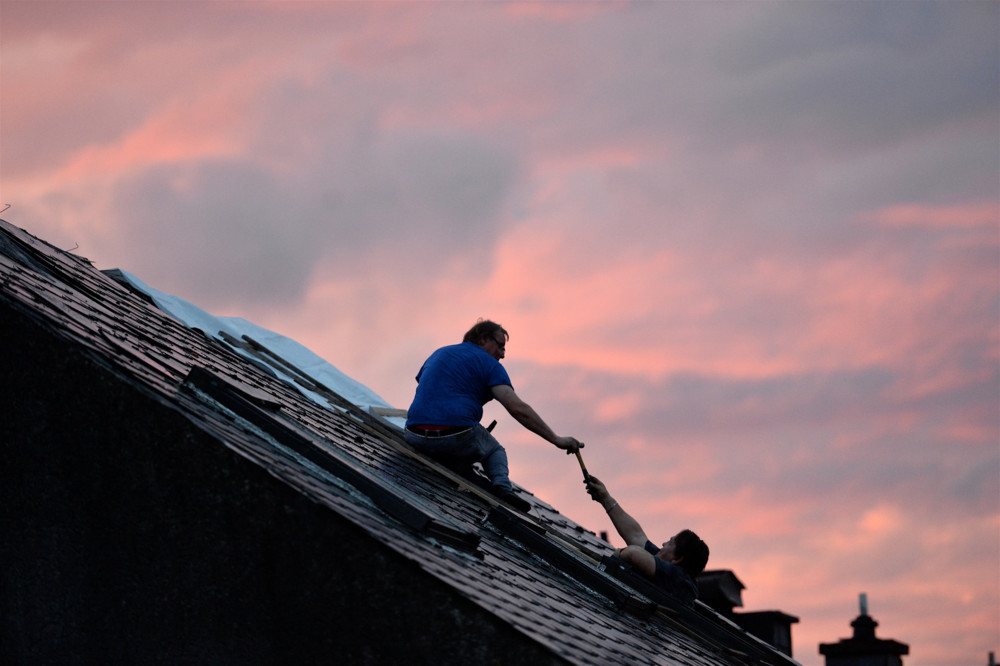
529,418
628,527
641,560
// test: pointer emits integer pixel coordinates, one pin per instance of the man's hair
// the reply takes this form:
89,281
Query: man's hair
693,550
484,328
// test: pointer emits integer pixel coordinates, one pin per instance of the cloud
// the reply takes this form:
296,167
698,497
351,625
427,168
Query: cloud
980,214
252,233
242,237
871,75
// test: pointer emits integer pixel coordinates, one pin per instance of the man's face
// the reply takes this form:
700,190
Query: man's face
495,345
668,551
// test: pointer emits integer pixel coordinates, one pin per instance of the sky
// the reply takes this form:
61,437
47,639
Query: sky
748,252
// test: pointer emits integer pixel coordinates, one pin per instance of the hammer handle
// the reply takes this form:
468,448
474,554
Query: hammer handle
582,466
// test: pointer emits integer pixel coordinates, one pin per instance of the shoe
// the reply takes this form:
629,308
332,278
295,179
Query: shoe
511,498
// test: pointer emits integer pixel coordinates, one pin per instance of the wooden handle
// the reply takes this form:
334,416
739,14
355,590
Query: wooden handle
582,466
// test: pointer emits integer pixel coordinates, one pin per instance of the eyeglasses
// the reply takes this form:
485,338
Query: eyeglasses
502,344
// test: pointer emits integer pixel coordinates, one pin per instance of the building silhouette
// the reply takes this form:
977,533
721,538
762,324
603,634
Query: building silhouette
863,648
722,591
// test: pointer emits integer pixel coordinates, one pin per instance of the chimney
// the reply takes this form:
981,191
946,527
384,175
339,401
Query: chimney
722,591
864,649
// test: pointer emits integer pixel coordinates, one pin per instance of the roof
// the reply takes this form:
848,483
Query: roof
549,578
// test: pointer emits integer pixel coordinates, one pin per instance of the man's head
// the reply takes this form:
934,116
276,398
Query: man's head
686,550
490,336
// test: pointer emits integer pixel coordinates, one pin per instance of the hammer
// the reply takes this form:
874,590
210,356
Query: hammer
582,466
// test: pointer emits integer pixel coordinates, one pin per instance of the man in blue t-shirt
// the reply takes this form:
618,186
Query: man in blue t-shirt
674,567
452,386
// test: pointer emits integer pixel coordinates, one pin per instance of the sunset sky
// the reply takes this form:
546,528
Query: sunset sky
749,252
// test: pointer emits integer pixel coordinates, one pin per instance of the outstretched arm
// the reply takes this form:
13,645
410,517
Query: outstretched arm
529,418
627,526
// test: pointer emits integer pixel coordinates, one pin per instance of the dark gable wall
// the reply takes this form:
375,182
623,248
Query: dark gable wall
128,536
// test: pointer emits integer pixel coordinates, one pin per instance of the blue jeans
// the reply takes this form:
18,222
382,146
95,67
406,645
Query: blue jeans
473,445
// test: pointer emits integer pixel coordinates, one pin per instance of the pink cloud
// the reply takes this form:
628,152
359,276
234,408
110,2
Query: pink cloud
176,135
559,12
977,214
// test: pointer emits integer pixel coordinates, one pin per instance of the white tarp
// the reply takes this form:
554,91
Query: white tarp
291,351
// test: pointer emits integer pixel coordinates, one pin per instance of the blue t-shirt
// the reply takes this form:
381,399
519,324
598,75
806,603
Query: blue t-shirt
672,578
454,384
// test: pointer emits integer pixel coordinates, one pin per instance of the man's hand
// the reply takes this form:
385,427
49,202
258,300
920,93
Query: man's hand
569,444
596,489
